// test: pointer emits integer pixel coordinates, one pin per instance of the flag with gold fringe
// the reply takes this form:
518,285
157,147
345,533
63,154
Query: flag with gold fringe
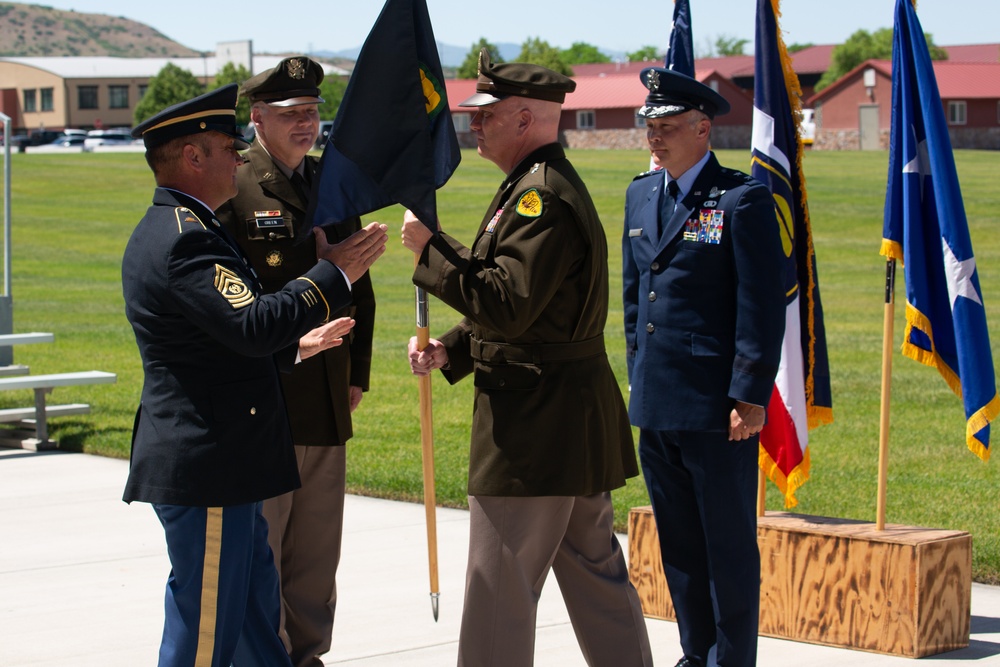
801,399
925,228
393,140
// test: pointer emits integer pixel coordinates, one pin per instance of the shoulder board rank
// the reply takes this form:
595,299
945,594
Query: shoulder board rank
647,173
232,287
737,174
184,214
530,204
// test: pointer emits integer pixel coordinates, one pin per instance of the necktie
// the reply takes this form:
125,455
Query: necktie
668,204
301,185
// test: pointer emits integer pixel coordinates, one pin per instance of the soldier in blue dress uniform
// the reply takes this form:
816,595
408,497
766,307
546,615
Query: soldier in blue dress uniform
211,438
704,318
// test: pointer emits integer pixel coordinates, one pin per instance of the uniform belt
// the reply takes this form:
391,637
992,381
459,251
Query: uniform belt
499,353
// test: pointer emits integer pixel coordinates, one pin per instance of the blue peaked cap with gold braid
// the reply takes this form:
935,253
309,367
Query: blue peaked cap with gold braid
215,111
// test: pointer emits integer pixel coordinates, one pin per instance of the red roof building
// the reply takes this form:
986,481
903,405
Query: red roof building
809,63
856,110
601,111
973,53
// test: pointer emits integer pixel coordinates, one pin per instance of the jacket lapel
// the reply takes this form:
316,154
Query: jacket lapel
272,181
686,205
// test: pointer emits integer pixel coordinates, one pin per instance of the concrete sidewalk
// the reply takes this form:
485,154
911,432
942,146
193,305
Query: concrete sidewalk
82,577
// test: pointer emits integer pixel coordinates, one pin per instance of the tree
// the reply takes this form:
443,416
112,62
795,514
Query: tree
862,46
469,68
730,46
581,52
796,47
645,53
171,85
230,73
539,52
332,91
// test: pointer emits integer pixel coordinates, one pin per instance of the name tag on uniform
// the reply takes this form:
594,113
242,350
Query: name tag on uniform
269,226
635,232
265,219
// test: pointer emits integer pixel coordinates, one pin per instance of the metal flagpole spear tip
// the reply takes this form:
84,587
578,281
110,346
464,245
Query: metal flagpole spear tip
434,605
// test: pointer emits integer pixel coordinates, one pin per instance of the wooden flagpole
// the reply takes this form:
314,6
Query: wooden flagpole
883,436
427,451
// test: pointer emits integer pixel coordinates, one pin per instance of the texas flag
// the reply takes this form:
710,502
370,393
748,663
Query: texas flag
801,397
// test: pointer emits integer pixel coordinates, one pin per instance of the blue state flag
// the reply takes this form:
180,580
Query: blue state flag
926,229
680,48
393,140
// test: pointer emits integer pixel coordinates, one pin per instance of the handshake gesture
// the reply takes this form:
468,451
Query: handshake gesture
355,254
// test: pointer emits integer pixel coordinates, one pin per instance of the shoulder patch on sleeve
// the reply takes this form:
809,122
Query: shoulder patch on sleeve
232,287
530,204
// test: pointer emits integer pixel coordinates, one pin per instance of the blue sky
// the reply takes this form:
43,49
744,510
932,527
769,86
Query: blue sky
335,25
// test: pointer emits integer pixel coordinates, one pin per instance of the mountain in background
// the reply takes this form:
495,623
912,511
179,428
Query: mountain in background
35,30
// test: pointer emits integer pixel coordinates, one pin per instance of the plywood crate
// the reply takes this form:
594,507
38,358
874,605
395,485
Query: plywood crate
901,591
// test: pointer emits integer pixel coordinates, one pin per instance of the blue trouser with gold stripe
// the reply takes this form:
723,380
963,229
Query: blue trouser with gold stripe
222,604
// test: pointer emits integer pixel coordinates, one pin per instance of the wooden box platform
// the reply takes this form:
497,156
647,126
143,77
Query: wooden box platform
902,591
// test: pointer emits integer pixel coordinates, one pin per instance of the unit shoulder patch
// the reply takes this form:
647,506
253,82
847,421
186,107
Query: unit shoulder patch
530,204
232,287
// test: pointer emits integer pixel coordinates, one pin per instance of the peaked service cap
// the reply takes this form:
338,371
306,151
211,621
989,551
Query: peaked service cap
517,79
215,111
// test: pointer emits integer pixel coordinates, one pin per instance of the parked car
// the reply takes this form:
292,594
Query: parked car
68,141
118,137
34,138
808,126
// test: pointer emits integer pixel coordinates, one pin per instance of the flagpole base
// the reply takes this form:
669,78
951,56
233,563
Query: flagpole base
905,591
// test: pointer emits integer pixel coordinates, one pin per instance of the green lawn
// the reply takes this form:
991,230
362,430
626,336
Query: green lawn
72,215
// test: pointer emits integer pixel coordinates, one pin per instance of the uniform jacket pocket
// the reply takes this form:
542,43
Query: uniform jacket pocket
507,377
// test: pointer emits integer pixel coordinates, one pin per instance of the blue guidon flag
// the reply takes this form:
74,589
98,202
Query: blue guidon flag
925,228
680,48
801,399
393,141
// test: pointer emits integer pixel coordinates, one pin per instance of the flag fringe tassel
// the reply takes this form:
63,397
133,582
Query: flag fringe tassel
979,419
787,484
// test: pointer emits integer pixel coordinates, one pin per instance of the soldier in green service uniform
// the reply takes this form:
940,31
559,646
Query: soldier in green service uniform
268,220
550,435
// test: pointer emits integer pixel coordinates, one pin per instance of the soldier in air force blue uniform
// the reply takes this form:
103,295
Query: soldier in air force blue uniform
211,439
704,317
